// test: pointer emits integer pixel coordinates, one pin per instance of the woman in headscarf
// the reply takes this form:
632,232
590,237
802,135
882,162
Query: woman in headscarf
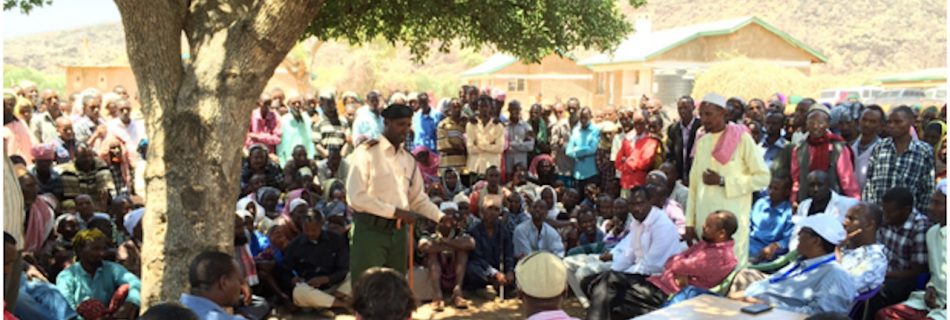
451,183
113,152
281,237
251,206
38,216
926,116
542,170
110,108
550,197
428,163
935,134
129,252
268,197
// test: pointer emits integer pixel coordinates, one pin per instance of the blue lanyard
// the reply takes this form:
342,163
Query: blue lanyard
809,268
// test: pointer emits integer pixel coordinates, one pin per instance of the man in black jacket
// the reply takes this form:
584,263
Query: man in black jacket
681,136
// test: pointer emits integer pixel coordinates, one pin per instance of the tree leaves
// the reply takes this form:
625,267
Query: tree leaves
25,5
529,29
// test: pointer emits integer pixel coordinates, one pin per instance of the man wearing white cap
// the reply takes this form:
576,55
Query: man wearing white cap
728,167
814,284
542,278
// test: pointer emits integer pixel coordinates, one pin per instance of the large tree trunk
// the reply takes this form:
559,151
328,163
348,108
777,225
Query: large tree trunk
196,115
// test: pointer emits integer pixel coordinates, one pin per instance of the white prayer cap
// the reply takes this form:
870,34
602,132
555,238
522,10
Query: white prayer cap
826,226
541,275
715,99
446,205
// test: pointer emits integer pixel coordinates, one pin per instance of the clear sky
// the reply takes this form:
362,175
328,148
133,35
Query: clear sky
61,15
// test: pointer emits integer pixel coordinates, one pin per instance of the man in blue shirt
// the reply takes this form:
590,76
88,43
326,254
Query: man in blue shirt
492,262
815,283
582,147
368,124
774,141
215,281
425,122
771,222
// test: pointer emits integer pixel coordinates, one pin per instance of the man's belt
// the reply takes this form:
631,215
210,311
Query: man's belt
372,219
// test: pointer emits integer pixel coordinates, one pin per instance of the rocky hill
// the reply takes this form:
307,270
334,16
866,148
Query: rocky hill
858,36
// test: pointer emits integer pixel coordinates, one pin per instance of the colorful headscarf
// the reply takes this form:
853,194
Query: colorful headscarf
39,225
43,152
533,168
430,172
86,236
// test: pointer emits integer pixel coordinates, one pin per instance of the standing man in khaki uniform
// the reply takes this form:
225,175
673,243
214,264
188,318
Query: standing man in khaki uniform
386,192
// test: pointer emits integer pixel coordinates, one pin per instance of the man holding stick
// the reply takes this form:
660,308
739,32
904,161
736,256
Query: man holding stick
386,191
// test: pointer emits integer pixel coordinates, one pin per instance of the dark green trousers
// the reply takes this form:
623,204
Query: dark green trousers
374,244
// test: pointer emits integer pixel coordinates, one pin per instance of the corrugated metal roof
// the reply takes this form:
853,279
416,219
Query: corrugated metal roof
642,46
919,75
494,63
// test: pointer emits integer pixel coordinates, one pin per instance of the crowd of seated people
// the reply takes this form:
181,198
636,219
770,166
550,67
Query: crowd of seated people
806,212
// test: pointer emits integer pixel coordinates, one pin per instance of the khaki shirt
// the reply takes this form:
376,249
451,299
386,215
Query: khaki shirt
485,144
382,178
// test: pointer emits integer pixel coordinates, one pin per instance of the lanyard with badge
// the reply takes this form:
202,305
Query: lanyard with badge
788,273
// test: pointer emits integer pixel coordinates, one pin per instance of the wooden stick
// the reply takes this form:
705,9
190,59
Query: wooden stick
411,241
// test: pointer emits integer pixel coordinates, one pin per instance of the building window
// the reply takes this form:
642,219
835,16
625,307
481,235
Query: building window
601,80
516,85
636,77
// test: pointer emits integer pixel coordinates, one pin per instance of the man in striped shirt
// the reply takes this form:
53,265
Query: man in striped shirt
330,133
450,140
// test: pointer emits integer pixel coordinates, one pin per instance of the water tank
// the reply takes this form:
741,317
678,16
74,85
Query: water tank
672,84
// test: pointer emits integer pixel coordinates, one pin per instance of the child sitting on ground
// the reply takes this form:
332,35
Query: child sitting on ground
446,250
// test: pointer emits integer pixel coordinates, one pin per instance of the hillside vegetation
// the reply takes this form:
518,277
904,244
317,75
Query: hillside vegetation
861,38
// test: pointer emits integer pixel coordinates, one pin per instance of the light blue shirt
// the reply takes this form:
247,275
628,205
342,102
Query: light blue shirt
770,225
77,286
367,125
827,288
206,309
294,133
582,147
40,300
772,150
528,239
424,127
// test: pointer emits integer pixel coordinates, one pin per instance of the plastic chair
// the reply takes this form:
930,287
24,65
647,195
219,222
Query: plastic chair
862,299
723,287
690,292
776,264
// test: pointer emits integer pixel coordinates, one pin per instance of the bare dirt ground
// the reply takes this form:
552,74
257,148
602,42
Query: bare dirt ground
480,309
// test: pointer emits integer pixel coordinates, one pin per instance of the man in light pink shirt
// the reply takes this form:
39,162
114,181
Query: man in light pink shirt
265,126
704,265
542,282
